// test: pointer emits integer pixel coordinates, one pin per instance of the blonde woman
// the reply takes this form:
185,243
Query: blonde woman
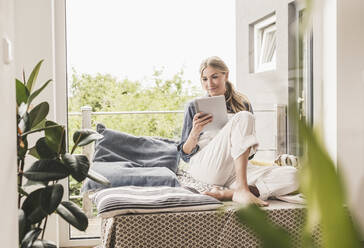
222,158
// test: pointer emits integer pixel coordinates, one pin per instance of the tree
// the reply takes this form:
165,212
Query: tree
106,93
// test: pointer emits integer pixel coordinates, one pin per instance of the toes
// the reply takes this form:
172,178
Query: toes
262,203
213,194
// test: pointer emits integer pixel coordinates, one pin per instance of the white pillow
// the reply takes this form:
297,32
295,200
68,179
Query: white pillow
134,199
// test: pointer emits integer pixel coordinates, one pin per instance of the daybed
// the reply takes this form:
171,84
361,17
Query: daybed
197,229
193,227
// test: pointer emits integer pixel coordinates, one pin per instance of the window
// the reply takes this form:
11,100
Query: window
117,61
265,44
300,68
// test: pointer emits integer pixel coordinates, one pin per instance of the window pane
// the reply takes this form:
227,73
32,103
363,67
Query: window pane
141,55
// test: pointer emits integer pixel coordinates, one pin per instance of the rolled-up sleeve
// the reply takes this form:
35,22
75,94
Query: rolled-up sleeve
187,127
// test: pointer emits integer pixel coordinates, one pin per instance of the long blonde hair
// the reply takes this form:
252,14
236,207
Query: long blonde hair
234,99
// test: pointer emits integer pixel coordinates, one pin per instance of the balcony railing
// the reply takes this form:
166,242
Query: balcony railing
86,113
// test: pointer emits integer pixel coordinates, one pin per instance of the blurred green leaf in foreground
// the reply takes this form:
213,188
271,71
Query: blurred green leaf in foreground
326,203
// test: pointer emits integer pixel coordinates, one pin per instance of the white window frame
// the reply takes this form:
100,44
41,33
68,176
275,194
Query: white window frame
60,51
261,30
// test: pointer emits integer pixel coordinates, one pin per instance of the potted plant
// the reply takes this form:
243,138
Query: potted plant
52,164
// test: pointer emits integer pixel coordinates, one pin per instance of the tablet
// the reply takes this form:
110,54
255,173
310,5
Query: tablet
216,106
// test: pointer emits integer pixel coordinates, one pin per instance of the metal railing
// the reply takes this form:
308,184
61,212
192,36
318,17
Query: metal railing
86,114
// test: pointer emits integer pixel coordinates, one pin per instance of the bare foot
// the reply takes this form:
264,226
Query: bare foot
220,194
227,194
246,197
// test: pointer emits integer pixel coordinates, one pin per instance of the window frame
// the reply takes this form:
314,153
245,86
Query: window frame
261,29
300,68
60,51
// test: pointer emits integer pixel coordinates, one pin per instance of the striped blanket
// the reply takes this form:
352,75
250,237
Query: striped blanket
133,199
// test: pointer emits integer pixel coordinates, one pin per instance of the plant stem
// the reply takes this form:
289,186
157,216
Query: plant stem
20,178
44,227
73,149
39,223
76,144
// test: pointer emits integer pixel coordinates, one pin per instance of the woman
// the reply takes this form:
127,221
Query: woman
222,158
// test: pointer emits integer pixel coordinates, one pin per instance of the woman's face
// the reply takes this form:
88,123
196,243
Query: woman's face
213,81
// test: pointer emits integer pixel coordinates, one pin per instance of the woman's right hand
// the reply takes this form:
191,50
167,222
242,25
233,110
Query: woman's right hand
199,121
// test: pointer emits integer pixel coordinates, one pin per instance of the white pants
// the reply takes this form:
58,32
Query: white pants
214,163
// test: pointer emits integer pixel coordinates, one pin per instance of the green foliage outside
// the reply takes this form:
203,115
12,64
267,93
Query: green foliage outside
105,93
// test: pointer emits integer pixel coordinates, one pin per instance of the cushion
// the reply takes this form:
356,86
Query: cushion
119,175
135,151
132,199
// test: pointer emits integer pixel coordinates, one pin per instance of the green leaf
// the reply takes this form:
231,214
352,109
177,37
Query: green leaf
270,235
325,198
46,170
93,175
85,137
36,129
51,197
55,137
30,237
33,152
33,76
43,150
40,125
22,224
22,92
42,202
44,244
78,165
73,215
32,207
36,93
38,114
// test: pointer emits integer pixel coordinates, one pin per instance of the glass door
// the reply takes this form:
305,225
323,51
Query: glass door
300,87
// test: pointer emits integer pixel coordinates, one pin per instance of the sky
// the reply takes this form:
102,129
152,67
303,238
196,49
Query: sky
132,38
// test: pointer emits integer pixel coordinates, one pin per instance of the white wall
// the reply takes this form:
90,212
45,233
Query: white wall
8,181
350,100
338,74
265,88
328,49
34,40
